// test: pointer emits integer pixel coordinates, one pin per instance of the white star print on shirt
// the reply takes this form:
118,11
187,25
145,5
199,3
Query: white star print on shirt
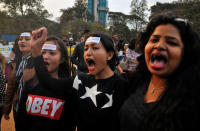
91,92
76,83
110,102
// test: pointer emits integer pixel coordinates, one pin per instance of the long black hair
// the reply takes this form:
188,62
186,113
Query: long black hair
180,96
64,68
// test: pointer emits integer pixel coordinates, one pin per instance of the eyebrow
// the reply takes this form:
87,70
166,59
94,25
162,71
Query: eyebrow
172,38
21,37
167,37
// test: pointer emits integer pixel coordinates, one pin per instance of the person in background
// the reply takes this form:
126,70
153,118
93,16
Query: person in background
125,47
65,39
15,54
165,87
132,54
5,43
2,92
101,91
3,62
115,40
77,56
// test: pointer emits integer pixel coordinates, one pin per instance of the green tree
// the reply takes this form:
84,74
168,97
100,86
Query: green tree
5,23
185,1
78,11
25,15
186,10
139,10
77,26
119,23
23,7
117,18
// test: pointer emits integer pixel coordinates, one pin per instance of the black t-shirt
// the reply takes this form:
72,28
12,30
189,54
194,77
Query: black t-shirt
134,110
99,101
77,57
50,105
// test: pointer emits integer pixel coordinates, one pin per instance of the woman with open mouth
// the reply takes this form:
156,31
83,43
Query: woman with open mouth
48,100
165,86
101,91
15,80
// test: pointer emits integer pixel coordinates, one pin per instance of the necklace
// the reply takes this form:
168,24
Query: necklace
153,90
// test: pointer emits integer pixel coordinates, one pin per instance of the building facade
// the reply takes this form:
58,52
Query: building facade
98,9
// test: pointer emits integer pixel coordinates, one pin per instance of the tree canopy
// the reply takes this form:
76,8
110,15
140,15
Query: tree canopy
23,15
189,10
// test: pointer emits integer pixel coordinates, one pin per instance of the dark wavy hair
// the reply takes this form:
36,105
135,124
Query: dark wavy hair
109,46
181,92
132,44
64,69
17,52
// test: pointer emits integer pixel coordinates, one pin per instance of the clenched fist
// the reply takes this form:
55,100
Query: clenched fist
37,40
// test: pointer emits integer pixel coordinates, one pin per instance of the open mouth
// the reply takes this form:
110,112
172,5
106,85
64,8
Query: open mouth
158,60
22,45
46,63
91,64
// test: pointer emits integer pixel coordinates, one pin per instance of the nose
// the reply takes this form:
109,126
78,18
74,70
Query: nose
89,52
45,56
161,45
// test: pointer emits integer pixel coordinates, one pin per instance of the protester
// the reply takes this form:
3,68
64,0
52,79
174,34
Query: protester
15,54
2,92
3,62
115,40
65,39
46,105
125,47
131,62
77,56
131,55
101,92
15,81
165,87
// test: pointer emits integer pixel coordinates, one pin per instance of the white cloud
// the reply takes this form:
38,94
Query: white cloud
119,6
54,6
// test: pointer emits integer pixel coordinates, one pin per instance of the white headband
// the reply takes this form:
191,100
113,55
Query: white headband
26,34
181,20
49,47
93,39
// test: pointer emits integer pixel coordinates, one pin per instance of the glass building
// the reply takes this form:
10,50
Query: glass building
103,11
98,10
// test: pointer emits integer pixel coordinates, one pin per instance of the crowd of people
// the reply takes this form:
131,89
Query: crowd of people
147,84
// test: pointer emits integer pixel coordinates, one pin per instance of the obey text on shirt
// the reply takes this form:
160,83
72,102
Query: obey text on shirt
44,106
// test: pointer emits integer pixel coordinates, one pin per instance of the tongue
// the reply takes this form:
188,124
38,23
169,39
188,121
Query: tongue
91,67
158,64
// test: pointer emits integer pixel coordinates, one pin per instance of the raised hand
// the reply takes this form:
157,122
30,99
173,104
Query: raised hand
37,40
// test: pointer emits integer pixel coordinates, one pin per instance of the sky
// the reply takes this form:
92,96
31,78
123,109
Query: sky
54,6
